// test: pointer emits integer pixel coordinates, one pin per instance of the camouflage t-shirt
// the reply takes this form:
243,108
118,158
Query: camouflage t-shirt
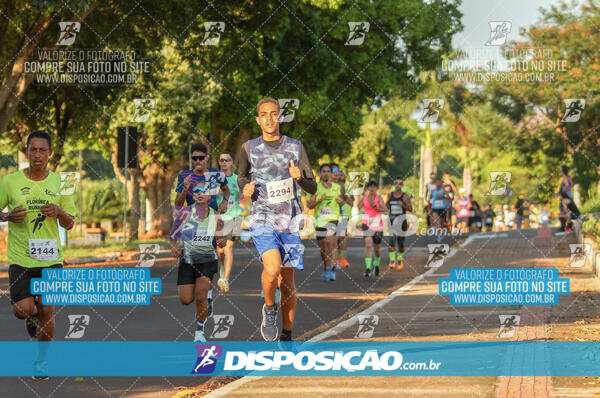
197,234
276,200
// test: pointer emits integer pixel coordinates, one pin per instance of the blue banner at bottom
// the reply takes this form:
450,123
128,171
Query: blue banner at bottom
354,358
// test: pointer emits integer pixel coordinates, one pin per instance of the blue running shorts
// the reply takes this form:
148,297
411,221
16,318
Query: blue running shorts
289,245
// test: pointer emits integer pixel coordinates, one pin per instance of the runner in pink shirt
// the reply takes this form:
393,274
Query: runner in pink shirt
373,207
463,204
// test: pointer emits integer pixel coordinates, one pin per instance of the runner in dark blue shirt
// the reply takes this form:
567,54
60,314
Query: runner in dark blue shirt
214,178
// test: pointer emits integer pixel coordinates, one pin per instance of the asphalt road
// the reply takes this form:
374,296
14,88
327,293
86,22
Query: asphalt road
320,305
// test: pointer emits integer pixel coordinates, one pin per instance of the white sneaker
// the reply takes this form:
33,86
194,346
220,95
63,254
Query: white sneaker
199,336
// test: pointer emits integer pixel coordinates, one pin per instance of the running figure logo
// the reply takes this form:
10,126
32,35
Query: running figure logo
77,325
499,181
366,326
293,253
68,33
213,181
357,181
574,108
207,358
287,109
212,33
579,254
37,222
358,32
499,33
143,106
68,183
508,326
431,109
223,324
437,254
148,254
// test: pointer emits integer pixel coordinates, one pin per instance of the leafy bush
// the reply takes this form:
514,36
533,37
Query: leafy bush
591,226
592,205
102,199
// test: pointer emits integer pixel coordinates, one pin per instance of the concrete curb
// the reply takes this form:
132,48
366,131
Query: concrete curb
225,390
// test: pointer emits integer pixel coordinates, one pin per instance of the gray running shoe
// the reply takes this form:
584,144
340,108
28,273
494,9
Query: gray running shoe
268,327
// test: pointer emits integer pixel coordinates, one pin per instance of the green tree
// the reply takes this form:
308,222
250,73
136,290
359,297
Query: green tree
69,112
26,26
164,138
565,38
299,50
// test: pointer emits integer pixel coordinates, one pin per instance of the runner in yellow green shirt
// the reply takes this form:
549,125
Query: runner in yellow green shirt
346,214
35,200
326,203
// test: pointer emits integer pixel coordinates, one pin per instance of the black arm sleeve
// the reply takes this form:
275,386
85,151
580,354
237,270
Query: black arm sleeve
243,167
307,182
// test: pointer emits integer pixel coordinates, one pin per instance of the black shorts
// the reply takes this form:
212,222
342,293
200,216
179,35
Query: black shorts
475,220
188,273
377,235
19,279
328,230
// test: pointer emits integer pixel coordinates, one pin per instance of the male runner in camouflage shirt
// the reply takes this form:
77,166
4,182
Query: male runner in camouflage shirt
272,169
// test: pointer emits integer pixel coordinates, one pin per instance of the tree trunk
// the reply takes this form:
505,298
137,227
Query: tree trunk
61,120
598,184
243,136
157,189
22,161
422,173
577,195
427,166
467,180
9,105
157,182
15,83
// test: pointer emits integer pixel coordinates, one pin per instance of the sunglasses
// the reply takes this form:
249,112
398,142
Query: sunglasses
399,182
196,158
335,169
200,190
225,160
